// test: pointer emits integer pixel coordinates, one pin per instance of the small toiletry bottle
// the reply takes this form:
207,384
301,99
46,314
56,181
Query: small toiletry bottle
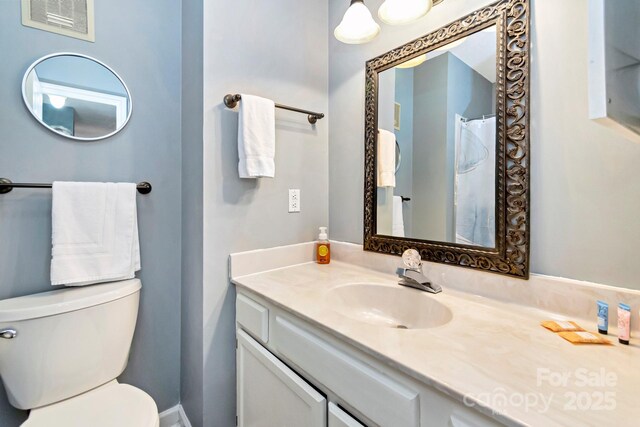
323,247
624,322
603,317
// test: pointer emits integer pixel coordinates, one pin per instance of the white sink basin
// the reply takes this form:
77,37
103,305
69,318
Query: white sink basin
389,306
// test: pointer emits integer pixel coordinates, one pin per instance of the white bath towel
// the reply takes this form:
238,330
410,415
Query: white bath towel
94,233
397,228
386,158
256,137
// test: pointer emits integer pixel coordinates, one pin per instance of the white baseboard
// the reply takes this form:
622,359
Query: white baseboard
174,417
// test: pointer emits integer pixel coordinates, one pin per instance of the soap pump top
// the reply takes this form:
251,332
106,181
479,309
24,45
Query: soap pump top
323,237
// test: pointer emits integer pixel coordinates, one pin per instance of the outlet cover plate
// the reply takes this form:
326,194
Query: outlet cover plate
294,200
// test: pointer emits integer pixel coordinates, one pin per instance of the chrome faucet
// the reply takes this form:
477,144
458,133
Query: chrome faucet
412,276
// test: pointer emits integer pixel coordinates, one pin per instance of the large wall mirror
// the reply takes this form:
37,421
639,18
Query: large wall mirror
76,96
454,105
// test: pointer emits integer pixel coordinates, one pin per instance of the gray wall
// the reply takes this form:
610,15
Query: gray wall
143,46
404,136
585,194
191,375
585,190
384,198
470,94
279,50
430,150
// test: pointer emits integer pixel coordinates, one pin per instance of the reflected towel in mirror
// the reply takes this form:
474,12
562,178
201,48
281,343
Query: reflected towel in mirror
386,158
397,229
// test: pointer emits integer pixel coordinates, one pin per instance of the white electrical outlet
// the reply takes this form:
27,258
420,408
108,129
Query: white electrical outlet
294,200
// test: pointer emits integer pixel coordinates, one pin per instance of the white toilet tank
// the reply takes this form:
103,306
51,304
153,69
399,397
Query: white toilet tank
67,341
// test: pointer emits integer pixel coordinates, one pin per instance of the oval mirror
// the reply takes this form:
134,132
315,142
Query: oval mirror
76,96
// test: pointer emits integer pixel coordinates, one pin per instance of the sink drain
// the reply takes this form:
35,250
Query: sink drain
401,327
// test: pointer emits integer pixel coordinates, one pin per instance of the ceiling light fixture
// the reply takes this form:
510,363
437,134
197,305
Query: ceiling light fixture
357,25
57,101
397,12
413,62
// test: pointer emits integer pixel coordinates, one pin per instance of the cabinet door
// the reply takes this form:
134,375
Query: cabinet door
339,418
272,395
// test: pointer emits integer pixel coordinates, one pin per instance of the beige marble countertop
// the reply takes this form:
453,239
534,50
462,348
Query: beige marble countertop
492,354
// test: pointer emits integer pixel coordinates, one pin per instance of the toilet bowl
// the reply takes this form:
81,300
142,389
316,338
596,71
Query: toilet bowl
61,352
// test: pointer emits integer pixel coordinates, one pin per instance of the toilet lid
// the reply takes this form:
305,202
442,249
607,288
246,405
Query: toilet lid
111,405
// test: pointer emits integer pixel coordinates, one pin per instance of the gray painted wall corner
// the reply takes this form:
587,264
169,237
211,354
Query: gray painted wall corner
191,330
282,57
147,149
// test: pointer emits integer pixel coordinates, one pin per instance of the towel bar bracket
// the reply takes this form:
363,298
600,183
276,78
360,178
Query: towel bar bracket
6,185
4,188
231,101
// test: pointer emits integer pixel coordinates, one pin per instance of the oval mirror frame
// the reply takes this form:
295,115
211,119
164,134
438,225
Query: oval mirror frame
511,253
98,62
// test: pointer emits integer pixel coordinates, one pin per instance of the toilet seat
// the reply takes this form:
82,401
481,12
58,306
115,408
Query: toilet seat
111,405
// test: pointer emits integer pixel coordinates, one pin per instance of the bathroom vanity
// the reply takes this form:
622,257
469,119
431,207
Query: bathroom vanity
345,345
446,175
302,374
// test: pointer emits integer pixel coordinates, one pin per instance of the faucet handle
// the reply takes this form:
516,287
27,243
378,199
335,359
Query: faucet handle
412,259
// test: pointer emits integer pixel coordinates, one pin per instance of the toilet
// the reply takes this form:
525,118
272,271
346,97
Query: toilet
61,352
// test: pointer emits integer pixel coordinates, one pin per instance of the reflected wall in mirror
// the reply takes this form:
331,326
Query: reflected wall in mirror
449,148
76,96
455,102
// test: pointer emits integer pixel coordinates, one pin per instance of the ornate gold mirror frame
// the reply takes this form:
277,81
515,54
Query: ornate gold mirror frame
511,254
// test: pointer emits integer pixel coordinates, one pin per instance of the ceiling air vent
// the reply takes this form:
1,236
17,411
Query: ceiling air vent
73,18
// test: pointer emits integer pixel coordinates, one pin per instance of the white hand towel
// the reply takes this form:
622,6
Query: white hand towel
386,158
94,233
397,228
256,137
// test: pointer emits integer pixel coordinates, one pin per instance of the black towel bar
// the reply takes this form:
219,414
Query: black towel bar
6,185
232,100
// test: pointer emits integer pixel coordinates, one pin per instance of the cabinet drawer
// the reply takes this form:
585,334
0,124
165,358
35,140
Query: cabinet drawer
375,395
253,317
339,418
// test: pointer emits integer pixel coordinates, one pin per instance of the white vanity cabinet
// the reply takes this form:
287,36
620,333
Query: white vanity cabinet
291,373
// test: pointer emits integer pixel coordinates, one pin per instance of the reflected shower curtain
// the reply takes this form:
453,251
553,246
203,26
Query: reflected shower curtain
475,181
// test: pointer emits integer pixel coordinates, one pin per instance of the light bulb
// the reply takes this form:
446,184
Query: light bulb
413,62
357,25
57,101
396,12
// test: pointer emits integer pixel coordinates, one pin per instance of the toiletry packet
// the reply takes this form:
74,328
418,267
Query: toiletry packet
561,326
583,337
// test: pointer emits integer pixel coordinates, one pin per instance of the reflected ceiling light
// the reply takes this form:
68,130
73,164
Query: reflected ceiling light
451,45
57,101
357,25
396,12
413,62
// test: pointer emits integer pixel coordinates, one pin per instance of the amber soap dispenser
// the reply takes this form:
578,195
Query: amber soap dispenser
323,247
